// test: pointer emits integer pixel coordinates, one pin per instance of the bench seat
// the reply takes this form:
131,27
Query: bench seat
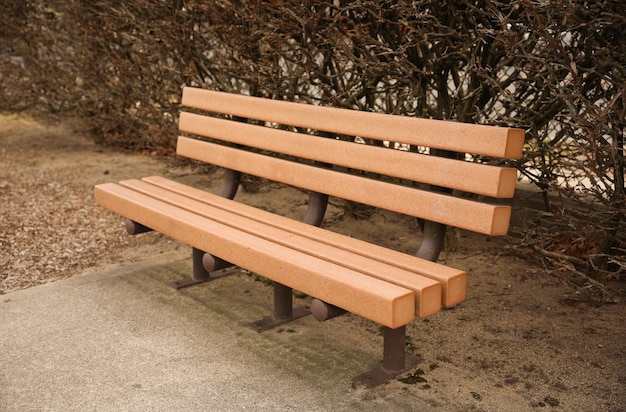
343,271
338,248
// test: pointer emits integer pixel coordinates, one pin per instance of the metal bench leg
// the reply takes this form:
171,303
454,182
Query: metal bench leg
283,302
395,359
284,311
394,341
203,265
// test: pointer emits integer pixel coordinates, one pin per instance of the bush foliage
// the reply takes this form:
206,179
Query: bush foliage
555,68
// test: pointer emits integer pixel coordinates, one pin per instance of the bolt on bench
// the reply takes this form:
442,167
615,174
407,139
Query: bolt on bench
298,144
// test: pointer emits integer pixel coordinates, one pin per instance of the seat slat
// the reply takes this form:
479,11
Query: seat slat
462,213
453,281
382,302
461,175
459,137
427,291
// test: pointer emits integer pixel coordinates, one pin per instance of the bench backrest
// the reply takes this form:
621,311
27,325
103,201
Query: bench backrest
246,134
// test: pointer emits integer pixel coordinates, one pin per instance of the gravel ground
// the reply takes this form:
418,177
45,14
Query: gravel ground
50,227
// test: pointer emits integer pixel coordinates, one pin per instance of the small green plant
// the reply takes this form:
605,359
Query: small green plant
414,378
409,345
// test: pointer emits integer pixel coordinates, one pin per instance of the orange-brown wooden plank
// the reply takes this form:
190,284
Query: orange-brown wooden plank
380,301
448,135
453,281
427,291
455,174
449,210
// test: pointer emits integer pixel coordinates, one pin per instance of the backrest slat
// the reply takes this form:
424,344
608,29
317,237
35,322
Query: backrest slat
454,174
454,136
463,213
242,129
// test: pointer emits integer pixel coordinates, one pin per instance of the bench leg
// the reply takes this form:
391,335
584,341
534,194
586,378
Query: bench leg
283,302
395,360
394,342
284,311
203,264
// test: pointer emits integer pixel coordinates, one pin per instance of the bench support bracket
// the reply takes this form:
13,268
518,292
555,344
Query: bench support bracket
433,241
135,228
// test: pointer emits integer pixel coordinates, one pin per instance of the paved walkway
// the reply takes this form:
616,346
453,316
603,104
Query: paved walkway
122,340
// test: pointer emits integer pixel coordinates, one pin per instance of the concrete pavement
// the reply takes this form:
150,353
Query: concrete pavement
122,340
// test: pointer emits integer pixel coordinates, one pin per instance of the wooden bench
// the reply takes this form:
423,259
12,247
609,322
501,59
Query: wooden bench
321,149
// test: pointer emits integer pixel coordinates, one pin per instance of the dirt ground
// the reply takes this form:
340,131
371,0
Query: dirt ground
519,342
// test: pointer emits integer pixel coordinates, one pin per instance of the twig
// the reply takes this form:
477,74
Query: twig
559,256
